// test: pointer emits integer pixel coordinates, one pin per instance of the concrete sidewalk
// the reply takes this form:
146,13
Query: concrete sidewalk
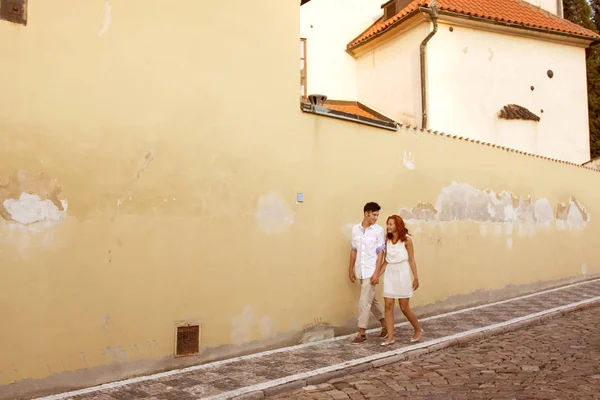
265,374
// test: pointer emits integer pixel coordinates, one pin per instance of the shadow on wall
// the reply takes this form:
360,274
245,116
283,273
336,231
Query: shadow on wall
463,202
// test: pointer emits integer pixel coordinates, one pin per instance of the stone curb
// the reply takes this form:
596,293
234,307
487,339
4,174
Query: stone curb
409,355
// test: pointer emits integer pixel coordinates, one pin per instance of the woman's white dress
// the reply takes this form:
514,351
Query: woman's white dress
397,280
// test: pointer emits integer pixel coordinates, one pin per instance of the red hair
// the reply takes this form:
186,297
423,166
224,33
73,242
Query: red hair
400,226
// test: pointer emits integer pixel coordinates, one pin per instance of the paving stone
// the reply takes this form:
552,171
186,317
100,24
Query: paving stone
505,357
515,365
530,368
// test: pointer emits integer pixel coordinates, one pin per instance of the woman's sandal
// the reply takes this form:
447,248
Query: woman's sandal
386,343
414,339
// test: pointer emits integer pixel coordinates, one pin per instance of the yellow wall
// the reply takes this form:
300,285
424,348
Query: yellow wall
176,136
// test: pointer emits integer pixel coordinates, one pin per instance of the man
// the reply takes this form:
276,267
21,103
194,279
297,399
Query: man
368,244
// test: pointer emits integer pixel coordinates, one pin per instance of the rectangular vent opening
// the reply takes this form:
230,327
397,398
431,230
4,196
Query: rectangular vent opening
187,341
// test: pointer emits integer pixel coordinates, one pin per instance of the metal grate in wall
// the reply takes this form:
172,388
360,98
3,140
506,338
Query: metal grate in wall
187,342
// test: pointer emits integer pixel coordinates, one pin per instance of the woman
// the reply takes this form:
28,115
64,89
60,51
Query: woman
397,282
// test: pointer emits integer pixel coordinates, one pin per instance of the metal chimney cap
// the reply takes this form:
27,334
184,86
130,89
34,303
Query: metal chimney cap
317,99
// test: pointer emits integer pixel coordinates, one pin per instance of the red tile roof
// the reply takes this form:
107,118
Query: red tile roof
352,107
517,12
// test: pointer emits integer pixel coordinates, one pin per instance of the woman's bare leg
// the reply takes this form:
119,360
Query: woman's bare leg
410,316
389,318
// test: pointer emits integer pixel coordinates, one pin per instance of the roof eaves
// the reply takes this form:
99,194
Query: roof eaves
327,112
585,34
520,25
400,20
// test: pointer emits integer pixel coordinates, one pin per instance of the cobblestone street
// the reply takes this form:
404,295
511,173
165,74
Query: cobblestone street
558,359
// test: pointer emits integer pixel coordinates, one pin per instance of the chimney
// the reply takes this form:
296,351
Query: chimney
317,99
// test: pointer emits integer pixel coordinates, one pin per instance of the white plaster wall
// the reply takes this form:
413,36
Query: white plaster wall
595,163
389,79
473,74
328,26
516,134
548,5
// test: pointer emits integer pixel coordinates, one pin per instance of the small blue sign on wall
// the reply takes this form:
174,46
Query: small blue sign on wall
300,197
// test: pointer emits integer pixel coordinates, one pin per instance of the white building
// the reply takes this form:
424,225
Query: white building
506,72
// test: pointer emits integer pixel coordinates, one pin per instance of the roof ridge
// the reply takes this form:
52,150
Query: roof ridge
518,13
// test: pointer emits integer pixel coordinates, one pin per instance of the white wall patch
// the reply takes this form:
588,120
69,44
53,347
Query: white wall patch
544,214
106,20
242,326
267,327
408,160
497,212
273,214
29,208
347,231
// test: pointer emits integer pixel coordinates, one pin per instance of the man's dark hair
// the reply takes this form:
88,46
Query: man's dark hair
371,207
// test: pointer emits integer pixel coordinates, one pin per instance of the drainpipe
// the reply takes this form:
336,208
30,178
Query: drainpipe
433,13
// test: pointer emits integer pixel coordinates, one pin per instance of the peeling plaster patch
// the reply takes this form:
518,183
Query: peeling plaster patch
491,210
575,217
267,327
347,231
105,321
30,208
461,202
416,230
406,214
499,213
106,20
424,211
572,215
584,269
408,160
274,215
27,193
242,326
544,214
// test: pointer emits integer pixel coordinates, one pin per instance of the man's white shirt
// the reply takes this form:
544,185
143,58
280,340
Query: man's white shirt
367,243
